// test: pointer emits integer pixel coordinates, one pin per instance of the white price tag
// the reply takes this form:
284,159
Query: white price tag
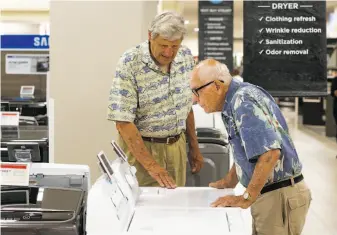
9,118
14,173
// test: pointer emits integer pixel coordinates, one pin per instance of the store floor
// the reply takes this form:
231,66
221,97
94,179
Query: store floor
318,155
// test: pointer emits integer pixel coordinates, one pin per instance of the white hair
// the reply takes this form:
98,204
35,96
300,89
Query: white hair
170,25
211,70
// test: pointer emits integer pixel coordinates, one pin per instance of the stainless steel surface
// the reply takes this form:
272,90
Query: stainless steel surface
50,211
24,133
43,198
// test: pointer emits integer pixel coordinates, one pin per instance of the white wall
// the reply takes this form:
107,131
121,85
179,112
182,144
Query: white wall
86,40
19,28
23,16
24,4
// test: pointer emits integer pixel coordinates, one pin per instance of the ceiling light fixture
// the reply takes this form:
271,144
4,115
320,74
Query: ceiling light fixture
196,29
187,21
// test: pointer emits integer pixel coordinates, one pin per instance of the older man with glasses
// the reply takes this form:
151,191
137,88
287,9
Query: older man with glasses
265,159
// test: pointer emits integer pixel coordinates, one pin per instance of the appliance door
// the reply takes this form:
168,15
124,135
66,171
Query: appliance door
41,210
215,151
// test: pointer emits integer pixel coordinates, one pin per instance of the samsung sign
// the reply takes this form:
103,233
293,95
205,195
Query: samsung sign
41,41
25,42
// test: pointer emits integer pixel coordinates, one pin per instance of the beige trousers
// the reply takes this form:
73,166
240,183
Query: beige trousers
282,211
172,157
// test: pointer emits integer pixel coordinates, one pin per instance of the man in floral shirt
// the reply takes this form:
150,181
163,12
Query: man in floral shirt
151,103
265,159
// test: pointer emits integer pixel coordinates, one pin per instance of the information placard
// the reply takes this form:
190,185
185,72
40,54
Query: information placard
27,63
285,47
216,31
14,173
9,118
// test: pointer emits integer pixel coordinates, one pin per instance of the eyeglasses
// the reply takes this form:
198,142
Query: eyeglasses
195,91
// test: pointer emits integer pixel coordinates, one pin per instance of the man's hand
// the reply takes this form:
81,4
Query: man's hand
232,201
162,177
197,161
220,184
134,141
230,181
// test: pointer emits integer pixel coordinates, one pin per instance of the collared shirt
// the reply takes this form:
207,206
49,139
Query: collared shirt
158,103
256,125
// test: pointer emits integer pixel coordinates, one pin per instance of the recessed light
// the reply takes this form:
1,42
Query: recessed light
187,21
196,29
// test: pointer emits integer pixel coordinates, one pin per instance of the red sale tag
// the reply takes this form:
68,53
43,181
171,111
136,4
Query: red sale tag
16,174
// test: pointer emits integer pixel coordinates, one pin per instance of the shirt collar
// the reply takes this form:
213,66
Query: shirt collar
147,59
233,87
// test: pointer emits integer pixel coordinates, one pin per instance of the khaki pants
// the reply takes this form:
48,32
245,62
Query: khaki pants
172,157
282,211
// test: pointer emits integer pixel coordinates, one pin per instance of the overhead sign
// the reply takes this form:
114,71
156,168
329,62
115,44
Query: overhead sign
34,42
285,47
216,31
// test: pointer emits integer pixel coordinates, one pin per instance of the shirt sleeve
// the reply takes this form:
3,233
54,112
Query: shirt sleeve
190,65
123,99
257,132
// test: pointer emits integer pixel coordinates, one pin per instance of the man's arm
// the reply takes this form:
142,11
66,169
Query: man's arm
230,180
123,103
263,168
197,159
136,146
190,131
251,119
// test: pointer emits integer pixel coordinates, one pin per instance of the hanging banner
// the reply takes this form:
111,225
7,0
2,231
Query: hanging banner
216,31
285,47
25,42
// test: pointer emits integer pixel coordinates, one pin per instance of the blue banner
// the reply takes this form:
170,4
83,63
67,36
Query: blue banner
34,42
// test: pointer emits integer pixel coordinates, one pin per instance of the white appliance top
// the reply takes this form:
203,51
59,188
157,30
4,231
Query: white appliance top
186,221
155,210
58,169
183,197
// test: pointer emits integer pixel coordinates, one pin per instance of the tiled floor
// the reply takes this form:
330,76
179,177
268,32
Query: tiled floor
320,130
318,155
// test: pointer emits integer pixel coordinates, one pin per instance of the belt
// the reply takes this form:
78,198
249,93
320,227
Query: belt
282,184
167,140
